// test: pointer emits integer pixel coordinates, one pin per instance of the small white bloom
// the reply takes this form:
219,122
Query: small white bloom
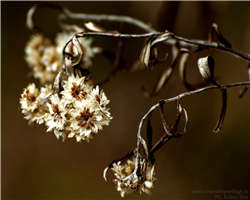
51,59
101,102
35,48
86,119
56,119
75,89
30,98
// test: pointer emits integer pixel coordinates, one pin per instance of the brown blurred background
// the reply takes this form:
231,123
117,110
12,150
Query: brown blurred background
35,165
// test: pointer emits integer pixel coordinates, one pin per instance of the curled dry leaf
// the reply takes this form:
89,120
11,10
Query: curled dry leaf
165,75
145,53
77,51
184,55
218,34
57,82
206,68
220,121
149,53
173,130
182,69
93,27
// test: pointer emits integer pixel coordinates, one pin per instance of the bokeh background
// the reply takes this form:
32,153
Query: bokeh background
35,165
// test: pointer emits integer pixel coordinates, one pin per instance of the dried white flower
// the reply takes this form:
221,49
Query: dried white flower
57,118
35,48
86,119
29,100
75,89
32,103
51,59
101,101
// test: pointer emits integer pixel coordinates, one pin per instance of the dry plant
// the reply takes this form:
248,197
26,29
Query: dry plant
71,104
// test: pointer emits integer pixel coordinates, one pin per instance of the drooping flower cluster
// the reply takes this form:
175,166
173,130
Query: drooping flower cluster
145,182
45,59
79,110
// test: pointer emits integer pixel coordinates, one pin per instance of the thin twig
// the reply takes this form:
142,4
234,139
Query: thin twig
213,45
119,35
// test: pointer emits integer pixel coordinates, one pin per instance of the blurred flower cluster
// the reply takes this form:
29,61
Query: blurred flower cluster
45,59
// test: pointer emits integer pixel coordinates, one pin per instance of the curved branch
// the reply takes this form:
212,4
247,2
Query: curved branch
176,99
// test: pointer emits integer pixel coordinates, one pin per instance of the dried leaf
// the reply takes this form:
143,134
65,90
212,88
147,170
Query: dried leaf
78,70
161,38
173,131
77,51
223,112
145,53
218,34
165,75
206,68
93,27
149,53
136,66
182,70
57,82
160,143
164,123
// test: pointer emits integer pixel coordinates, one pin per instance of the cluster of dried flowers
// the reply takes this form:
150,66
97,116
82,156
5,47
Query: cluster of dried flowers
45,59
144,182
79,110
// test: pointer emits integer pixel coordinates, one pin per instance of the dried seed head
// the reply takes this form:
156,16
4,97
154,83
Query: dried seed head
206,68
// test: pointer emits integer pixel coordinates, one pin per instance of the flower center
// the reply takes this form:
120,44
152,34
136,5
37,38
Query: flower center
77,92
85,118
